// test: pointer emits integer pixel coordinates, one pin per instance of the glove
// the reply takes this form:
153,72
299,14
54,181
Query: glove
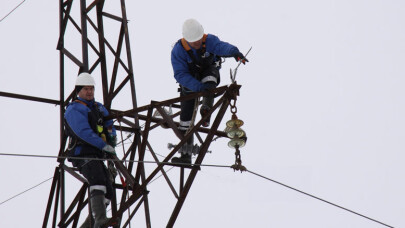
240,57
109,150
113,171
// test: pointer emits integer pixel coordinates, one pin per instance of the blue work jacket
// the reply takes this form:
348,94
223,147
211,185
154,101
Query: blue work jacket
77,119
180,60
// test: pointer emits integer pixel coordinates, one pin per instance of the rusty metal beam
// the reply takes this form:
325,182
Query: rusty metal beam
170,122
116,62
113,17
134,188
138,192
164,173
91,6
73,173
56,200
85,49
201,155
63,21
119,88
71,57
50,199
217,92
145,135
75,201
30,98
133,213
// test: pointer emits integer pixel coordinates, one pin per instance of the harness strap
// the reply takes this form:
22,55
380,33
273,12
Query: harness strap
81,102
187,47
99,128
84,103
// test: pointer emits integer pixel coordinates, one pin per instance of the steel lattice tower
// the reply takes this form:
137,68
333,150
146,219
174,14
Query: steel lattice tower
96,54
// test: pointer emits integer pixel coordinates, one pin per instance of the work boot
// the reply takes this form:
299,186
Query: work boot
98,210
185,150
207,104
183,159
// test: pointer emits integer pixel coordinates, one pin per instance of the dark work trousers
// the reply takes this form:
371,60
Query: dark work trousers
211,78
96,173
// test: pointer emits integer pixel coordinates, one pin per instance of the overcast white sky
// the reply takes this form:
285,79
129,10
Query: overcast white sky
322,99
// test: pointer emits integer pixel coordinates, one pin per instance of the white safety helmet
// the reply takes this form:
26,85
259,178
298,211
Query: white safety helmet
85,79
192,30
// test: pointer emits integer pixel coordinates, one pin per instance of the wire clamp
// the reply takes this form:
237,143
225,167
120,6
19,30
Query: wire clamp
238,162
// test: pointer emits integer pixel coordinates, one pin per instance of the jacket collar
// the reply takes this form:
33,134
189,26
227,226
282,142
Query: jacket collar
89,103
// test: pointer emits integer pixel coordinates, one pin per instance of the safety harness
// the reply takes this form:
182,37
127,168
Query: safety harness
205,59
190,52
96,122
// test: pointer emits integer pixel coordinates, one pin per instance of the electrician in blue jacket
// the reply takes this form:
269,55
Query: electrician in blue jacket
91,137
196,61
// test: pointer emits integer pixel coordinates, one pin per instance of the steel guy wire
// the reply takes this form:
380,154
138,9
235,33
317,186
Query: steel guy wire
160,175
25,191
42,182
12,10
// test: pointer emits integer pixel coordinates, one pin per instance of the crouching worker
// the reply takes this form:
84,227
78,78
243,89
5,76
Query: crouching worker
91,137
196,61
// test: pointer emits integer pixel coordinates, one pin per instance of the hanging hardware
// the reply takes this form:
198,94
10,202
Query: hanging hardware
237,135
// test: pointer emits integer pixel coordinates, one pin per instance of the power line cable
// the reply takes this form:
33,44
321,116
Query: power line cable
315,197
217,166
12,10
104,159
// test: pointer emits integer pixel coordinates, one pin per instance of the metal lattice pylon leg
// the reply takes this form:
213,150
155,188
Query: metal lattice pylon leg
96,51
